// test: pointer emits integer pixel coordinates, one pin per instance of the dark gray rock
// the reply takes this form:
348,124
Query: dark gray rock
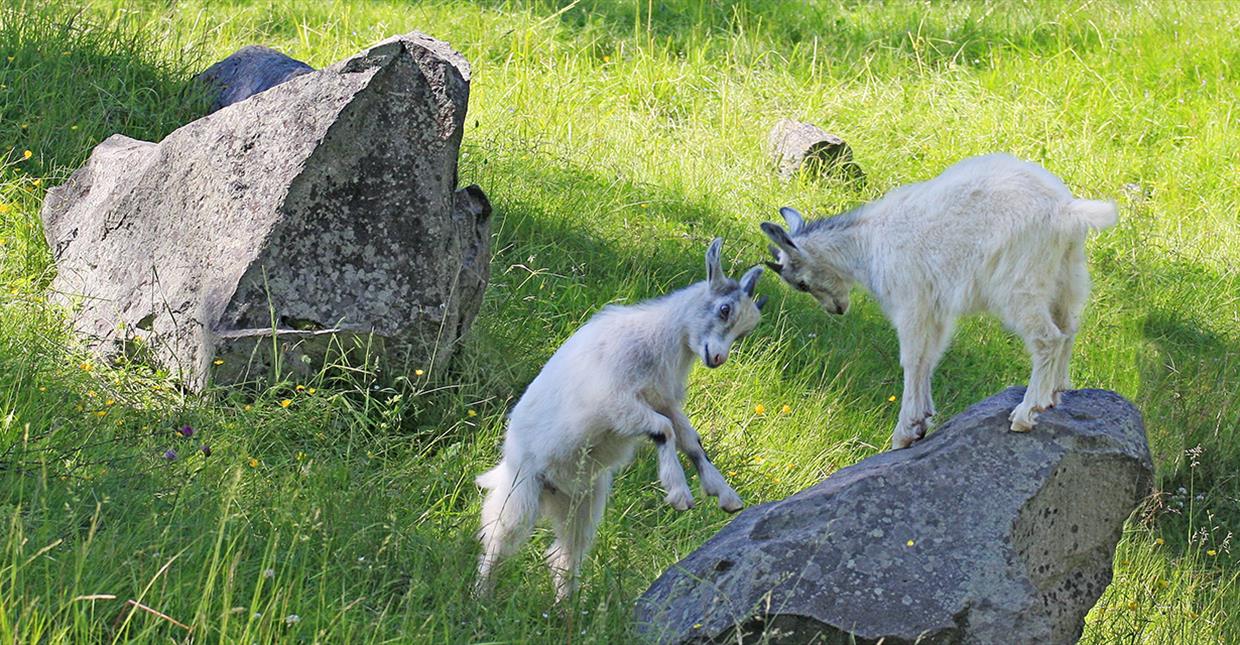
974,535
248,71
322,213
796,146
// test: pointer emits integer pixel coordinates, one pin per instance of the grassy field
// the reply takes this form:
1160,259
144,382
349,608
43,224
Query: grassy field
615,140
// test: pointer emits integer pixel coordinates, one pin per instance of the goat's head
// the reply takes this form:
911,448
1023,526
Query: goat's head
727,313
817,276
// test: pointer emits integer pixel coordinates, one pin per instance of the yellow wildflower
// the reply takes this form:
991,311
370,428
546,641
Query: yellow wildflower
86,367
42,388
1132,605
311,391
248,407
758,459
1159,541
218,361
4,208
787,409
759,409
418,372
38,182
1211,553
284,403
91,393
891,399
26,154
101,413
909,543
110,402
253,463
471,412
607,59
299,388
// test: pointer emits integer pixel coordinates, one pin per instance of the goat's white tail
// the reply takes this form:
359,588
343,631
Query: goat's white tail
510,505
1094,214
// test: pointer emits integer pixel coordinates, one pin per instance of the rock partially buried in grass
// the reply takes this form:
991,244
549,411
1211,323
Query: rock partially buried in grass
248,71
318,217
796,147
973,535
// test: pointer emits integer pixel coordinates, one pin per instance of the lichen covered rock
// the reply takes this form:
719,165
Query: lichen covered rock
321,214
974,535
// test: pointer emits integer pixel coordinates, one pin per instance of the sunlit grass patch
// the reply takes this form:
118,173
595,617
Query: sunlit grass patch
614,143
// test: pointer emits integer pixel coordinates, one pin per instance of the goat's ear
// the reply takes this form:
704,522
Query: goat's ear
779,236
793,218
749,281
760,302
714,272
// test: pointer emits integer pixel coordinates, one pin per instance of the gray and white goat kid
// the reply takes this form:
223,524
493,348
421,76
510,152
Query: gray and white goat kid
618,380
991,233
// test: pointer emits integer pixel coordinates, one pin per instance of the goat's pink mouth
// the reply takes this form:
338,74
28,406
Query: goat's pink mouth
712,360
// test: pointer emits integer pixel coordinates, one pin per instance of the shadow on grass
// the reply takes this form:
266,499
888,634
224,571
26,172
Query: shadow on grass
849,33
71,82
1189,376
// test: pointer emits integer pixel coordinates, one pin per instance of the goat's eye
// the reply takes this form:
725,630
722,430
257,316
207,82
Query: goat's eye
725,311
801,286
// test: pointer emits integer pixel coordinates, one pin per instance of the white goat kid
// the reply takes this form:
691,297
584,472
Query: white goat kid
618,379
990,233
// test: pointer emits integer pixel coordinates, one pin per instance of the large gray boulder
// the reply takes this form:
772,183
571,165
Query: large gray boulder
974,535
320,216
248,71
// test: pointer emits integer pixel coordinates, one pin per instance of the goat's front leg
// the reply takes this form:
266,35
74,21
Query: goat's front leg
922,342
637,417
713,483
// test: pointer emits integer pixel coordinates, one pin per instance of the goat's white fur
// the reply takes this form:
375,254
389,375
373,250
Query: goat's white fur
991,233
617,380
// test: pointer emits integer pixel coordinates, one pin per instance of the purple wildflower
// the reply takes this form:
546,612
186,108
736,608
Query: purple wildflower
187,431
170,454
206,450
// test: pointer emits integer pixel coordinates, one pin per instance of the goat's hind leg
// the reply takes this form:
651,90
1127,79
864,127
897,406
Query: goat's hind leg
508,515
1073,293
575,521
1045,343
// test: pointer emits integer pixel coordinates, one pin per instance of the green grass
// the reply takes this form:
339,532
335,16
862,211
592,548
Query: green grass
614,144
